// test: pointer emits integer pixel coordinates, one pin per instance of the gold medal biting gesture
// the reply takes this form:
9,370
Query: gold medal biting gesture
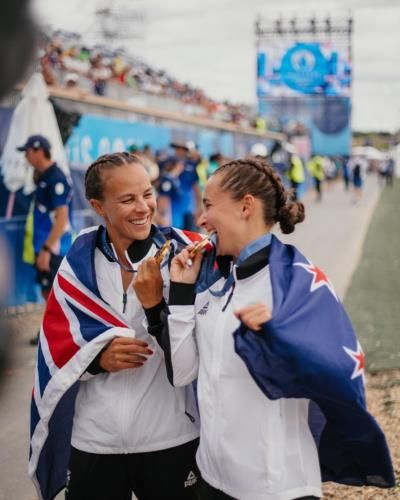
199,246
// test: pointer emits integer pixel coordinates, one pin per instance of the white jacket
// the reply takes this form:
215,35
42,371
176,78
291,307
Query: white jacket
251,448
133,410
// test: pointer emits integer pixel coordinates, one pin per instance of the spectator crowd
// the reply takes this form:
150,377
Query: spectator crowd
65,61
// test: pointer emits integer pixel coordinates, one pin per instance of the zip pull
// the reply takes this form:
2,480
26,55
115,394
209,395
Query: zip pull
190,417
230,296
124,302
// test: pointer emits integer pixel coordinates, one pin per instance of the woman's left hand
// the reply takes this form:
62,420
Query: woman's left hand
254,315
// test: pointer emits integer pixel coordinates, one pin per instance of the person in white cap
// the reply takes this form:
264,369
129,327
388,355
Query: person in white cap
259,149
71,80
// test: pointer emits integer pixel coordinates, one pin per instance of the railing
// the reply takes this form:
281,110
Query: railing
78,96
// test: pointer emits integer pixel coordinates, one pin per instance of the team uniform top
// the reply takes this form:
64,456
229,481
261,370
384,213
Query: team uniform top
53,190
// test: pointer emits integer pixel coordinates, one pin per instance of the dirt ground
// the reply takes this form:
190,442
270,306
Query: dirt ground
383,397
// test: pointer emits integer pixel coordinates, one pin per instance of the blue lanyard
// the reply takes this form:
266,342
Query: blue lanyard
106,247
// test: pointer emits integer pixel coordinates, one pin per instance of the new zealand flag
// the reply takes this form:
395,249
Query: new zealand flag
309,350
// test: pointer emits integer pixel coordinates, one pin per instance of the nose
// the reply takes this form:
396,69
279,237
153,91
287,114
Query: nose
202,220
141,205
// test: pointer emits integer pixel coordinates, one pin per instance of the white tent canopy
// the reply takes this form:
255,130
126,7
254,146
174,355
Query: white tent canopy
34,114
368,152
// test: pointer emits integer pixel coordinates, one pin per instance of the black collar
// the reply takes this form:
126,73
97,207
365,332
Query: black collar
140,248
253,263
248,267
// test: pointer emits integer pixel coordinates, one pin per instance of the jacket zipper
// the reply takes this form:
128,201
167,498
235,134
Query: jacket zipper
215,396
124,405
124,302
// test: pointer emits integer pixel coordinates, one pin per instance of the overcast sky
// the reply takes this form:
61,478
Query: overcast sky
211,44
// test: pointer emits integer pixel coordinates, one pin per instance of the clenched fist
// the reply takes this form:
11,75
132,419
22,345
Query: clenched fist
254,315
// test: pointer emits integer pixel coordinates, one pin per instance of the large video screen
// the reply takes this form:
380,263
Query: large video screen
303,68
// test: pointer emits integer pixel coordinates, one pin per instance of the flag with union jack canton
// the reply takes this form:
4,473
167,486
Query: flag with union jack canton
77,325
309,350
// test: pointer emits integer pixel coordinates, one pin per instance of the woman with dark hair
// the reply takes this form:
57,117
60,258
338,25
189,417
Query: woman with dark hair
105,420
262,331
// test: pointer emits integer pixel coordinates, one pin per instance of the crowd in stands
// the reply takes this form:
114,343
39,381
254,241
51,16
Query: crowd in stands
63,54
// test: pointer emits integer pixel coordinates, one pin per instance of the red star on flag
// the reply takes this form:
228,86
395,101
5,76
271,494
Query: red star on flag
319,278
359,358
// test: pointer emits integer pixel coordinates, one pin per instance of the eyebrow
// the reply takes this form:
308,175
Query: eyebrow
133,195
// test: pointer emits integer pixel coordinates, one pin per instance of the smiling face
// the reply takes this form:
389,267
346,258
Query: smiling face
224,216
127,205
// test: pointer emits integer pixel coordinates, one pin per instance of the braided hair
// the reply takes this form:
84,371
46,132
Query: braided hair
255,176
94,188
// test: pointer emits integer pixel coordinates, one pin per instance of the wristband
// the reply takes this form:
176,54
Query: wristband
46,248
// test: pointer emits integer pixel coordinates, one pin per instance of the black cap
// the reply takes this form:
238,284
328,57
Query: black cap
35,142
179,145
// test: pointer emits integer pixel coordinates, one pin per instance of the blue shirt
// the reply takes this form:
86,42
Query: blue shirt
171,188
53,190
188,179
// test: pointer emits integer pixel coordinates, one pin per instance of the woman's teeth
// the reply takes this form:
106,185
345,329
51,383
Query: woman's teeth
139,222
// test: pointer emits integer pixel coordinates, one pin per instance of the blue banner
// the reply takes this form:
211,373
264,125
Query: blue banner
286,69
326,120
97,135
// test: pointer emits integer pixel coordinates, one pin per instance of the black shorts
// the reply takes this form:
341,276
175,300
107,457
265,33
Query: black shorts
46,278
208,492
169,474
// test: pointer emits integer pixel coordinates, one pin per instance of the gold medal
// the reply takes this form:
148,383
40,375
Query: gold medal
163,252
199,246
